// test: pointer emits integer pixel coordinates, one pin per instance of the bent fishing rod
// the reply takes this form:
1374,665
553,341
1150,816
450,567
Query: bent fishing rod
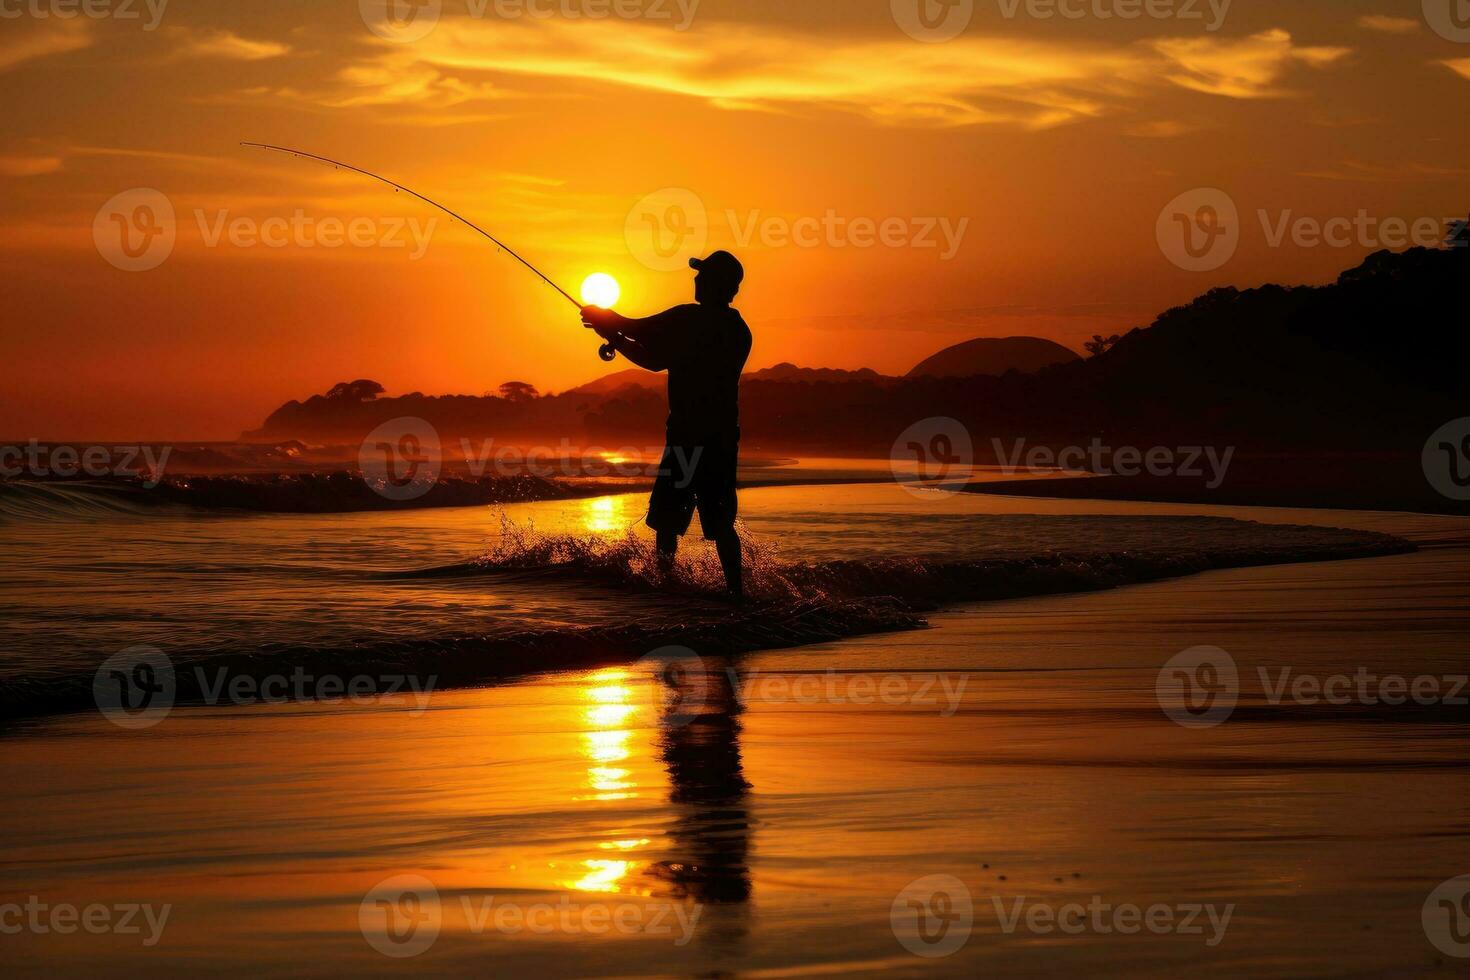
606,352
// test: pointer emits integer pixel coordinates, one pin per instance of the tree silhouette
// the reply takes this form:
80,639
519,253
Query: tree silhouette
1459,236
1099,343
357,391
519,391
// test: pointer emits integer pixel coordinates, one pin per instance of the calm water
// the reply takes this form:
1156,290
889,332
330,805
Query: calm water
1019,748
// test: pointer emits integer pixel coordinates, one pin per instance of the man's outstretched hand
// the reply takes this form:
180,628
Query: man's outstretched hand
604,322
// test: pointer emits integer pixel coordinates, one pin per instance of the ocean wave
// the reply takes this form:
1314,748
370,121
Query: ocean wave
474,659
336,492
921,582
633,605
34,502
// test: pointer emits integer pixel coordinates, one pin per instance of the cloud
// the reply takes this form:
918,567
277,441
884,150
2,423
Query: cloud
28,166
1460,66
1249,68
1358,171
964,82
226,45
532,179
1388,25
972,80
32,38
395,84
239,162
1162,129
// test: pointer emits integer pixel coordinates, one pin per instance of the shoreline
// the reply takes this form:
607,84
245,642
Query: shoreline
1328,483
1058,779
811,604
344,492
1323,481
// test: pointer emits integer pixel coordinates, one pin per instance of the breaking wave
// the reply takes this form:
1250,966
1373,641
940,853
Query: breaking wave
627,603
919,583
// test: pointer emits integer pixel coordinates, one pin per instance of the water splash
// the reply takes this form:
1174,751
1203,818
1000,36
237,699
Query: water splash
631,560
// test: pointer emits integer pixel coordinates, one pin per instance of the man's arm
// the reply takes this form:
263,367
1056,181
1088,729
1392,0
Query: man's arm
636,352
642,341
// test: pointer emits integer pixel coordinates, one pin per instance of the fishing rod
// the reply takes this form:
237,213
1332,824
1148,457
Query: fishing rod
606,352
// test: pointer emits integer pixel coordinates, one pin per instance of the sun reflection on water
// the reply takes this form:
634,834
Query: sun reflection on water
602,875
603,514
607,744
607,740
623,845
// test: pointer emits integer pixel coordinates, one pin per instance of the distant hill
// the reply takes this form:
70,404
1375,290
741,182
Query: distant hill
618,380
786,371
1374,361
993,356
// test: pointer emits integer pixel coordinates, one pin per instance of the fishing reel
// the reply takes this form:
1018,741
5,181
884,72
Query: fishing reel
607,352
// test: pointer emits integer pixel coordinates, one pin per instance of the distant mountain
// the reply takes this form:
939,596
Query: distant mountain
786,371
1374,361
994,356
618,380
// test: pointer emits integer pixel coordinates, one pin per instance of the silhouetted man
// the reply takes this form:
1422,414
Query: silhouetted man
703,345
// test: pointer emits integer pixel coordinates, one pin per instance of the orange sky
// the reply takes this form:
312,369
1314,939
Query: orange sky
1052,143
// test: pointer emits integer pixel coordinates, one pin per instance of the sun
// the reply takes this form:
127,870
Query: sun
600,289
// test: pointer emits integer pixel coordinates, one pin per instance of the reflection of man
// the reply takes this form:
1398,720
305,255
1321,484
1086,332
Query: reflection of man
704,346
700,740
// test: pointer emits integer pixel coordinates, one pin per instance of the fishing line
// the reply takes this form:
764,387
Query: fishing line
432,203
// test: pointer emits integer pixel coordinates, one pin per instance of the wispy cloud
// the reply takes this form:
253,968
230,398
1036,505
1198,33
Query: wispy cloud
226,45
1358,171
390,84
1162,128
1460,66
1388,25
28,166
243,162
532,179
746,67
31,38
970,81
1248,68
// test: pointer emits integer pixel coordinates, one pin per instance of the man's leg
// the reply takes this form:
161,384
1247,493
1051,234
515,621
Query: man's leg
670,506
719,505
728,546
668,546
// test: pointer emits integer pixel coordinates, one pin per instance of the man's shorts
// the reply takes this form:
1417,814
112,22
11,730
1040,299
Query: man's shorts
696,476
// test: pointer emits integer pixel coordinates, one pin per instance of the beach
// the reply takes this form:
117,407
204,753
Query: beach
734,490
579,823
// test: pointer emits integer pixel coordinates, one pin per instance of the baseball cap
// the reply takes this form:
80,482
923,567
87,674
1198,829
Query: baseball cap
722,265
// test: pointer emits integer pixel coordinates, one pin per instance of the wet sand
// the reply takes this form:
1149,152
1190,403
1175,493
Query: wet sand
1341,481
792,825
